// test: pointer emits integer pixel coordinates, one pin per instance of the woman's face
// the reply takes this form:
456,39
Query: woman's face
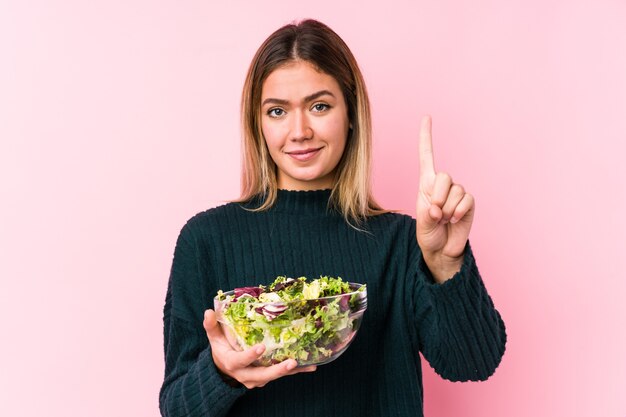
305,123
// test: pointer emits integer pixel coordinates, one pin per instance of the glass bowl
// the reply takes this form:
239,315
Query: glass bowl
311,331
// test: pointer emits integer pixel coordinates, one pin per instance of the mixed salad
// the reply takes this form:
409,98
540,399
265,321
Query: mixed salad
295,319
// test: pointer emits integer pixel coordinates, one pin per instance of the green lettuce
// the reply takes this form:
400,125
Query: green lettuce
293,319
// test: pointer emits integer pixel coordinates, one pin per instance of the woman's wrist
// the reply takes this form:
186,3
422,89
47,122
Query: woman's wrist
229,380
442,267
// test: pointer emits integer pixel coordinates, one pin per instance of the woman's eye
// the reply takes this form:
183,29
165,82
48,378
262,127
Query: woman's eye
320,107
275,112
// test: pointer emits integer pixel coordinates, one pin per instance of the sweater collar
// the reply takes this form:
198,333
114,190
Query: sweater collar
313,202
310,203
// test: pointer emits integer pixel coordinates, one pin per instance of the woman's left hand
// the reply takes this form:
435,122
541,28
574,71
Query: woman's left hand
444,213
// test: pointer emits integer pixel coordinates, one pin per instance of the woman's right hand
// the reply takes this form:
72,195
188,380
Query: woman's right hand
238,365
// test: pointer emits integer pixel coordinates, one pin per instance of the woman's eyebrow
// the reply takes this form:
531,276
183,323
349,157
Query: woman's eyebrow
306,99
318,95
274,101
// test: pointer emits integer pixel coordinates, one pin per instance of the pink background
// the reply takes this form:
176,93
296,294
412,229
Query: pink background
119,121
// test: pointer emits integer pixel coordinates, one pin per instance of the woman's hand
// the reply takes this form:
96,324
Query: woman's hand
238,365
444,213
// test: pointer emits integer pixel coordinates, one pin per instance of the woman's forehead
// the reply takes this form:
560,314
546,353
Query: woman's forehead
297,80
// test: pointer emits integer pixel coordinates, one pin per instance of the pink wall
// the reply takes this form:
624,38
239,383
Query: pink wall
118,121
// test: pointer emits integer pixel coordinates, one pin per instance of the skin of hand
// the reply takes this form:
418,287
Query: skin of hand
444,215
238,365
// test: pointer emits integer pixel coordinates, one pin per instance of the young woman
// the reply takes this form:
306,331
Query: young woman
307,210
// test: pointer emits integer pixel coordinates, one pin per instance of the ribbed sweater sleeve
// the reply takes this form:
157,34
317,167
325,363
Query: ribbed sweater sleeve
461,334
192,385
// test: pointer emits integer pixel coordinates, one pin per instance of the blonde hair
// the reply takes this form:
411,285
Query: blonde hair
316,43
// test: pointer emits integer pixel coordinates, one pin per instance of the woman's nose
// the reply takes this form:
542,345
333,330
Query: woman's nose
300,129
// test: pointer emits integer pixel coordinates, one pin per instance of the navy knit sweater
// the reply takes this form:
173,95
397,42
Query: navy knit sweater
454,324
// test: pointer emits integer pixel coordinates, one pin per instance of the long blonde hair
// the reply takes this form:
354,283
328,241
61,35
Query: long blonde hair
316,43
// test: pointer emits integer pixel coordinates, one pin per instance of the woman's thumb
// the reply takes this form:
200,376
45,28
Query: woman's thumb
210,324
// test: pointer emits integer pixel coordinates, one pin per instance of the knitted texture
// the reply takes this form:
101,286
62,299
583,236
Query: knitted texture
454,324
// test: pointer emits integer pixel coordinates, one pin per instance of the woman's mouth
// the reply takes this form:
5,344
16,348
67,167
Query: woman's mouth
304,155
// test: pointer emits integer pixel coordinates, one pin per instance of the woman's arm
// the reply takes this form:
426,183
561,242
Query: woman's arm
192,385
460,333
204,375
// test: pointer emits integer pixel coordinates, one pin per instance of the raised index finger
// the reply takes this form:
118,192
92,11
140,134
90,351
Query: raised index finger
427,161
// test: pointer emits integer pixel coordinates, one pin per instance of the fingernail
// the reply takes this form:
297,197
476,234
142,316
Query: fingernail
291,365
259,350
454,220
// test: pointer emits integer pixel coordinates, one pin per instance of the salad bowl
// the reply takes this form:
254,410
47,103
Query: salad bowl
312,322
